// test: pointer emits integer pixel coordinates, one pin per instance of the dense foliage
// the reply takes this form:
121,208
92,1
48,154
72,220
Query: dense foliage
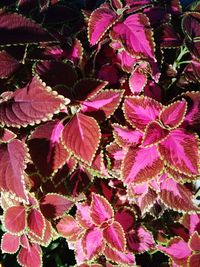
99,133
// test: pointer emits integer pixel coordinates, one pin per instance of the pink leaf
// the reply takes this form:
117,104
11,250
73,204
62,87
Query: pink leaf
126,61
100,21
16,29
30,105
180,150
103,105
144,196
176,196
83,215
140,240
15,219
137,81
31,257
92,242
154,133
141,164
115,236
68,226
36,223
54,205
6,135
177,249
119,257
136,35
100,209
194,242
10,243
80,254
125,136
174,114
192,222
8,64
12,162
82,136
126,218
139,111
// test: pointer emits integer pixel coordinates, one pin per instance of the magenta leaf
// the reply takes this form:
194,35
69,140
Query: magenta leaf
180,150
141,164
54,205
139,111
177,249
154,133
126,61
136,36
137,81
6,135
173,115
10,243
36,223
17,30
12,162
100,21
15,219
140,240
103,105
31,104
92,242
81,136
8,64
125,136
100,209
31,257
176,196
115,236
119,257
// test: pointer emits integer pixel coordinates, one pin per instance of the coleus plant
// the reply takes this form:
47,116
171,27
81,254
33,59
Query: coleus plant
99,131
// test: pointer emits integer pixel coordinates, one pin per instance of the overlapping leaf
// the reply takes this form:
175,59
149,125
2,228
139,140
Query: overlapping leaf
12,161
30,105
100,21
136,36
16,29
81,136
